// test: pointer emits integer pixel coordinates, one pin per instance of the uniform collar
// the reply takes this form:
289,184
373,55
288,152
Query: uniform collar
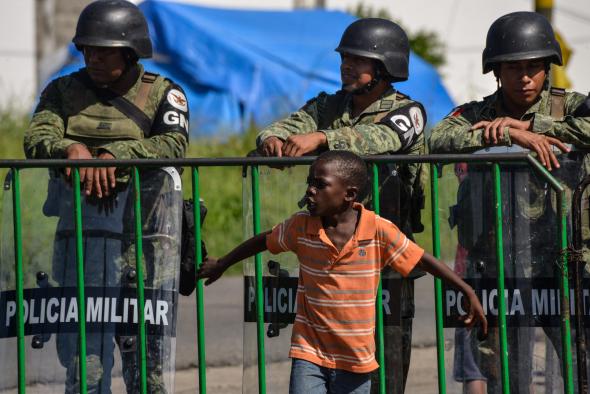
385,103
365,229
495,108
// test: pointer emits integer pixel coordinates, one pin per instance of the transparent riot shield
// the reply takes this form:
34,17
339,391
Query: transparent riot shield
532,259
110,275
279,191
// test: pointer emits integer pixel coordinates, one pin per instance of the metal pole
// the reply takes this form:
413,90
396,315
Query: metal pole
379,301
500,280
19,280
80,276
199,284
259,290
440,335
140,288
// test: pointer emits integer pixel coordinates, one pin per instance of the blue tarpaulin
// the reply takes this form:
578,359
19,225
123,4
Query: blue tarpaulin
244,67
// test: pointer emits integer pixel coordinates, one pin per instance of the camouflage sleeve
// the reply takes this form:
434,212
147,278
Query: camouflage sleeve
304,121
169,134
44,138
453,134
571,129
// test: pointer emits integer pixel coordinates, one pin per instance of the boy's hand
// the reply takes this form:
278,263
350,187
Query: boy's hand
475,315
211,269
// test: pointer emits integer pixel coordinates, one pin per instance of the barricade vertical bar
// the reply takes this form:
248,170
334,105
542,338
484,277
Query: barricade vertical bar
80,277
500,279
566,339
19,279
259,292
140,288
440,335
199,284
379,301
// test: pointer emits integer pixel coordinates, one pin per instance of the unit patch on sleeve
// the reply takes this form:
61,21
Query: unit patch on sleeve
408,122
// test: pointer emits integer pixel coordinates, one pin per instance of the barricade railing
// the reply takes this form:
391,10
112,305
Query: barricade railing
253,163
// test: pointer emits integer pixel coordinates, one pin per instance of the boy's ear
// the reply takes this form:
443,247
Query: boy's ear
352,193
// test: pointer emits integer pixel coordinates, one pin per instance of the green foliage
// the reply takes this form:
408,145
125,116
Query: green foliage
426,44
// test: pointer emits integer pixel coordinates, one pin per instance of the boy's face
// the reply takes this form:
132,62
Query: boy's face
327,194
355,71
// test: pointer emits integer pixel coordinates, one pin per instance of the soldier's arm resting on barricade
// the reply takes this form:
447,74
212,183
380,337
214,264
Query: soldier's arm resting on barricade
364,139
475,312
303,121
212,269
494,133
454,134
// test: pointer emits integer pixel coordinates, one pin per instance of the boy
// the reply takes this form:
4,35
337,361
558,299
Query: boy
342,248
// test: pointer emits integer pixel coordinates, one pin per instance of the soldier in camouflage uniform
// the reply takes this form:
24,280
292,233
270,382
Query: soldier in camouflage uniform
79,116
527,112
368,117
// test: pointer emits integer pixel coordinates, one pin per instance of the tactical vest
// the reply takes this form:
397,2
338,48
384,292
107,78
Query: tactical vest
98,123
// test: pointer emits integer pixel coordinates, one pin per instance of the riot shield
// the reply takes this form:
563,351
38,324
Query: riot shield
110,275
532,258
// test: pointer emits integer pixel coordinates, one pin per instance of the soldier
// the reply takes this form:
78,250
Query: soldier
527,112
368,117
112,109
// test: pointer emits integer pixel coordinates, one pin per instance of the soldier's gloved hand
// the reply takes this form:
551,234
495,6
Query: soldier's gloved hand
78,152
272,146
212,269
475,314
103,178
301,144
494,130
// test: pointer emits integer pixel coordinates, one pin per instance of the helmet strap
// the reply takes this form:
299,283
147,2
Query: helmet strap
377,77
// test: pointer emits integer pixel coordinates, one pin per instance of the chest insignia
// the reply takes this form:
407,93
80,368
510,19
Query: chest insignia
362,252
104,126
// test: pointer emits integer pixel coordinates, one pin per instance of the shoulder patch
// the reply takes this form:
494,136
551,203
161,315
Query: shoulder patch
177,99
408,122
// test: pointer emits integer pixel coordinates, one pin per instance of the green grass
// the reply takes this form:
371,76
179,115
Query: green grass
221,188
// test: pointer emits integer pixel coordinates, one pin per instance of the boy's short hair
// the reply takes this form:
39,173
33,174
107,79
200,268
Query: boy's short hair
349,167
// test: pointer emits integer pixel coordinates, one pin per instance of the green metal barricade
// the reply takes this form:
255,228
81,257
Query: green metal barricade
436,162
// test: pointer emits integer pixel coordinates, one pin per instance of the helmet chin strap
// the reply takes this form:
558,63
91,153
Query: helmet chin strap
366,88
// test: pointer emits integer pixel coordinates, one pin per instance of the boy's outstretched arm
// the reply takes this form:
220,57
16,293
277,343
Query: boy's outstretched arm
213,269
436,268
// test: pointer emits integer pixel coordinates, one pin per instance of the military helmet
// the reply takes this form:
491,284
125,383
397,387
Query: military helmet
520,36
113,23
379,39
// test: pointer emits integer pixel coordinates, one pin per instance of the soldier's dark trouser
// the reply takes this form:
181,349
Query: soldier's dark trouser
398,345
103,268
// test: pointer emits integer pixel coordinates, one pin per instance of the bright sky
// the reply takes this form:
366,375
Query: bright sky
462,25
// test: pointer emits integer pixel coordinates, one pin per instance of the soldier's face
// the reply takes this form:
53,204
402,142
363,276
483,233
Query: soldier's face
522,81
356,71
104,65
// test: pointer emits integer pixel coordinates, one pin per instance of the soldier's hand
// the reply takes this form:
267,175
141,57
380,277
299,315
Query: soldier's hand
212,269
541,145
78,152
104,180
272,146
301,144
495,130
475,314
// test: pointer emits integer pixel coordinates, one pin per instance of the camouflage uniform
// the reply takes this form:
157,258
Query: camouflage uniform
373,132
70,111
529,215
